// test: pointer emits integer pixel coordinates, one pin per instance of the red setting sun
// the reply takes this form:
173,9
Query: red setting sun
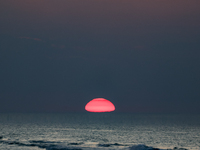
99,105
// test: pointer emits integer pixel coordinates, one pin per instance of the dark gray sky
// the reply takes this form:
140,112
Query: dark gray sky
142,55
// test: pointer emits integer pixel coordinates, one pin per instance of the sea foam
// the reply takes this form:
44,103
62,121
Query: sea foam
52,145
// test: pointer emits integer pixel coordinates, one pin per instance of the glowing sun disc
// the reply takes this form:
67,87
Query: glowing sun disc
99,105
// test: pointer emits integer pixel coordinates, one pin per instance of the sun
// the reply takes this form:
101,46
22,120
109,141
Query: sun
99,105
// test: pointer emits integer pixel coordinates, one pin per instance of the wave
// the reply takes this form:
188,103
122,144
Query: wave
48,145
110,145
144,147
52,145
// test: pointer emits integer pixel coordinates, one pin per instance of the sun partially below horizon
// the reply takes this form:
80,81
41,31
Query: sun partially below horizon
99,105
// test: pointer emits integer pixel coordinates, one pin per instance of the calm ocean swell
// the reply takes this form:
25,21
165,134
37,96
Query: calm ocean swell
99,131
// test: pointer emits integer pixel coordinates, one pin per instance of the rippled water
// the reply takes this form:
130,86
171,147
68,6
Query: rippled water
99,131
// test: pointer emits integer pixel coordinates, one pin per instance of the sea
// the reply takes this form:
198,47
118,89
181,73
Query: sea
99,131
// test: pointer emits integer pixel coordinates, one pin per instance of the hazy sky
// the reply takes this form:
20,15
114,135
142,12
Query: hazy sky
142,55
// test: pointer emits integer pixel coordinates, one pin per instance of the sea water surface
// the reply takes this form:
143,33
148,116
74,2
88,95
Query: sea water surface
63,131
